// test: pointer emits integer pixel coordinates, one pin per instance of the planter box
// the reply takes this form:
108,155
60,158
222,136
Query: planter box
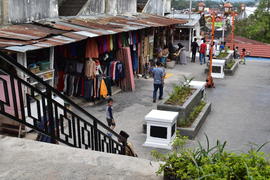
170,64
186,108
229,57
230,72
192,131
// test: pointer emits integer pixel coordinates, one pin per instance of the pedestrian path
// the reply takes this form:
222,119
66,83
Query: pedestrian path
240,106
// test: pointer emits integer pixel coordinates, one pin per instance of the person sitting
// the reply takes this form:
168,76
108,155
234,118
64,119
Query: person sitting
165,54
129,150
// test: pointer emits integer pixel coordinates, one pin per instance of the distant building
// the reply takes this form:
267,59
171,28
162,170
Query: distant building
182,32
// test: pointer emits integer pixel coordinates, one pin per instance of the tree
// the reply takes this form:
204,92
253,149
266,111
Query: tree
256,26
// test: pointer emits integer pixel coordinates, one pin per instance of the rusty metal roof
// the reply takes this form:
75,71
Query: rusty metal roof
45,33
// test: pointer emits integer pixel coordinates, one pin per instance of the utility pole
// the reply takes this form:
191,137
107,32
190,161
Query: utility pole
223,28
210,81
233,16
190,29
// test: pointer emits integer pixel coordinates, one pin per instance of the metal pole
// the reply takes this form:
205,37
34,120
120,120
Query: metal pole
223,28
210,82
190,6
233,15
190,34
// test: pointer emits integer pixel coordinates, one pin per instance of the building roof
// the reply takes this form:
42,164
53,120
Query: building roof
195,18
65,30
254,48
228,5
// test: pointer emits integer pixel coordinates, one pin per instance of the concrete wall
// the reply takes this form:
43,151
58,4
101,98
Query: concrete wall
26,159
4,11
158,7
127,6
20,11
1,12
112,7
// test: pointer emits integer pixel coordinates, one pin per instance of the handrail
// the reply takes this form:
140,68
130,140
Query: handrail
14,63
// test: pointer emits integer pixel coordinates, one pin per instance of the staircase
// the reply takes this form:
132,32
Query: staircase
71,7
71,126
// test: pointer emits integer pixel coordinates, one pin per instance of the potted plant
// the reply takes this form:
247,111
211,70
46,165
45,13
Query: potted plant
182,99
230,67
191,125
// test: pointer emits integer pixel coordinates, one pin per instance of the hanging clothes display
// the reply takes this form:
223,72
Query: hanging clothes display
128,83
103,89
135,59
90,69
92,50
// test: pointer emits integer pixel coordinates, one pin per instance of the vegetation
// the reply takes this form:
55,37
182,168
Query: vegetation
256,26
180,93
222,55
212,163
193,115
230,64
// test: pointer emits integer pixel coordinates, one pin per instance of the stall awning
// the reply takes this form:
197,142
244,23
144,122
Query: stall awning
48,33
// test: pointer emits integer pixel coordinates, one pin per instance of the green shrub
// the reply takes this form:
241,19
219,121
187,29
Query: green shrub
180,95
193,115
214,163
230,64
180,92
222,55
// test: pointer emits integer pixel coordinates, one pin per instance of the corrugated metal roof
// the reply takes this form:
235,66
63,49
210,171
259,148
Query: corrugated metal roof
194,18
45,33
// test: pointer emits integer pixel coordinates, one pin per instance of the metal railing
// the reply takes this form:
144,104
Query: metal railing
28,105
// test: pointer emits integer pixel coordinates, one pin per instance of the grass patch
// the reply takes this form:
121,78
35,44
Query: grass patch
193,115
180,95
230,64
222,55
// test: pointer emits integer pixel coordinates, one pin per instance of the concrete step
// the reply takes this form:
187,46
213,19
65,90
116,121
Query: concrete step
26,159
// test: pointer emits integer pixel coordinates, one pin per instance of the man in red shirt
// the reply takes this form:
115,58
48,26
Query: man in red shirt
203,48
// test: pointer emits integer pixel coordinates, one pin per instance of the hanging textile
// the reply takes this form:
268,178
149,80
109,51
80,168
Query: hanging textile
128,83
92,50
103,89
90,69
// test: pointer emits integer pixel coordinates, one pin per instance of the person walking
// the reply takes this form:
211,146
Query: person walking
158,75
109,115
203,48
194,47
242,56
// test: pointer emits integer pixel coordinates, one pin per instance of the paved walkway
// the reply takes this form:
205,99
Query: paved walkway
240,106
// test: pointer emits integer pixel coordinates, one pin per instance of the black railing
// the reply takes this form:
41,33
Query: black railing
28,105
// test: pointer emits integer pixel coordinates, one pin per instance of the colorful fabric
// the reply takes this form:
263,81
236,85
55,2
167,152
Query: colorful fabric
103,89
92,50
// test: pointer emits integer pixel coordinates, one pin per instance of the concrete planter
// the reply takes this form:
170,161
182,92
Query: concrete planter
170,64
230,72
192,131
229,57
186,108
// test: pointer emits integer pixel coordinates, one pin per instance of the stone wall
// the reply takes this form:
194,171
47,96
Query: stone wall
21,11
